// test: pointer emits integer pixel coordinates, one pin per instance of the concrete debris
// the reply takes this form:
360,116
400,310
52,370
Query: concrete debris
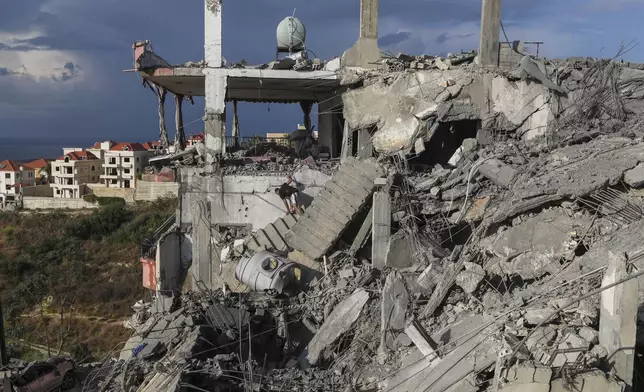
338,323
465,248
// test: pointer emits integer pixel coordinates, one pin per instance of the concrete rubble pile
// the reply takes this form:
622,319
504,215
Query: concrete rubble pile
488,240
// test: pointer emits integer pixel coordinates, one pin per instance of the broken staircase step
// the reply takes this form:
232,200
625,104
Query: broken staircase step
353,182
326,220
290,220
263,240
281,227
328,202
253,245
321,231
340,192
275,237
304,244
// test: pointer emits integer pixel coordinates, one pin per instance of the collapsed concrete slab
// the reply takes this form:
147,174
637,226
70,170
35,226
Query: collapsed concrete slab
395,301
475,351
534,247
337,324
618,317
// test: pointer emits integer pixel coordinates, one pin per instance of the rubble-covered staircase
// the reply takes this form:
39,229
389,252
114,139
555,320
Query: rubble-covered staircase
271,237
334,207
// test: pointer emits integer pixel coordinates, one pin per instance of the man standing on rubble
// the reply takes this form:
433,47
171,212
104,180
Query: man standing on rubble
289,194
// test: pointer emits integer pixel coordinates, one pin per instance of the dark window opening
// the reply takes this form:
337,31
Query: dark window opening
445,141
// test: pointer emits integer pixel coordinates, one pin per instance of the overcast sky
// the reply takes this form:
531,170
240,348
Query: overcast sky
61,61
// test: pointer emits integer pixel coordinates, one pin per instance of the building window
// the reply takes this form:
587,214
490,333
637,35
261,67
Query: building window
93,168
137,159
126,160
8,187
93,178
7,175
57,169
113,181
30,174
58,191
127,171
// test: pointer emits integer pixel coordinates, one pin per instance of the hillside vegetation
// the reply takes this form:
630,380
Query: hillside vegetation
68,279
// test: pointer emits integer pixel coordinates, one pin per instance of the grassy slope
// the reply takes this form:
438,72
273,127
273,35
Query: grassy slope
81,268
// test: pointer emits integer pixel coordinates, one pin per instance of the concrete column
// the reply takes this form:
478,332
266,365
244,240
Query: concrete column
365,51
490,31
325,124
201,244
369,19
381,228
215,116
365,145
618,318
347,143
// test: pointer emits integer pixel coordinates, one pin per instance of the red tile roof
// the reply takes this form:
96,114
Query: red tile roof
78,156
97,145
128,147
9,166
199,136
151,145
37,164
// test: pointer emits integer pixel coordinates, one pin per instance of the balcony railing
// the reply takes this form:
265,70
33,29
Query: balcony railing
148,245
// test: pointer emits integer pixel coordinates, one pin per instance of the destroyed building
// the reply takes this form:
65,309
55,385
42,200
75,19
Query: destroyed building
467,228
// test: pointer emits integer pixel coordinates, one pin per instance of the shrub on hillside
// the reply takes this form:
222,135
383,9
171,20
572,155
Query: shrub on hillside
100,223
106,201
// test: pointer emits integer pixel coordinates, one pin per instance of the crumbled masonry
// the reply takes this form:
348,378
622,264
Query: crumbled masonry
491,240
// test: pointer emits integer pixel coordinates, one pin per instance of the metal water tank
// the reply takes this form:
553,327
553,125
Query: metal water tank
291,35
265,271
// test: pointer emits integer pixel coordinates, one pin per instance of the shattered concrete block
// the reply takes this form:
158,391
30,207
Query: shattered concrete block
466,149
394,303
618,316
346,273
593,381
527,378
536,316
428,279
441,64
337,324
589,334
469,279
400,253
535,246
635,176
419,145
571,341
498,172
422,341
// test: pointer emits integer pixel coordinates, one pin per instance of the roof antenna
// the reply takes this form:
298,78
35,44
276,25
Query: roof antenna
294,12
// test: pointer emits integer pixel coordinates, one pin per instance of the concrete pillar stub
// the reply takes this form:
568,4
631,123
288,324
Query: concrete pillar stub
618,318
365,53
490,31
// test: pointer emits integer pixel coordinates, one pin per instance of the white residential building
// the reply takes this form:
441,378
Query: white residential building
123,163
99,148
71,172
13,175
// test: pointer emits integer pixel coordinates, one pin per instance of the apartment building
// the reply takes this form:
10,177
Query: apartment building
71,172
154,147
13,175
123,163
195,139
99,148
40,167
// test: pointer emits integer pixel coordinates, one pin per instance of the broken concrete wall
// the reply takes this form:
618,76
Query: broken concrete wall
174,254
524,104
397,107
244,200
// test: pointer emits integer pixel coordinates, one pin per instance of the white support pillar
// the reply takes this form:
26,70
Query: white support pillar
216,81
